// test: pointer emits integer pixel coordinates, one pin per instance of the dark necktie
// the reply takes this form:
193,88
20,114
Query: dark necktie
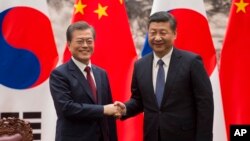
91,82
160,82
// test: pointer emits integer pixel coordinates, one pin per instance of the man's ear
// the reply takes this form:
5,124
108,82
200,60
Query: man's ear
68,43
175,33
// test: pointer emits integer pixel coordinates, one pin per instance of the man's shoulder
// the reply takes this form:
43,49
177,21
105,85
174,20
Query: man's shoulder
62,66
148,57
98,68
185,53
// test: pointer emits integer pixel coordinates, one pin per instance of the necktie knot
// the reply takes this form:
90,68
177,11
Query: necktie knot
160,62
87,69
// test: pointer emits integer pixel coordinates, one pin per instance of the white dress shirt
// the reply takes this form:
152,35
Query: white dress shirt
166,60
82,66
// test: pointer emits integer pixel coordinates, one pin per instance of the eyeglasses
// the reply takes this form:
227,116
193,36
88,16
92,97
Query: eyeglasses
81,42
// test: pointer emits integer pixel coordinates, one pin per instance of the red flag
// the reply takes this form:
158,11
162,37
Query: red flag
114,51
235,65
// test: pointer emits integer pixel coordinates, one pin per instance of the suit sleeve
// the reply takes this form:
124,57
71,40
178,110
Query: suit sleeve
65,104
203,100
134,105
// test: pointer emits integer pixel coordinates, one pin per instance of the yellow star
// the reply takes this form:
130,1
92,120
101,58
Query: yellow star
79,7
241,6
121,1
101,11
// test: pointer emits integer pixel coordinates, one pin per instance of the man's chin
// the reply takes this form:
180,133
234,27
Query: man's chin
159,49
85,58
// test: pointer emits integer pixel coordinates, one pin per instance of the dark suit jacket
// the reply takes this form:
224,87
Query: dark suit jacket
186,112
79,117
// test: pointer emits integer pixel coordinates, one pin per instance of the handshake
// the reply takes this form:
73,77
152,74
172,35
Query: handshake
117,109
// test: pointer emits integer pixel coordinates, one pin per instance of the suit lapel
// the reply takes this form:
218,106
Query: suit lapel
98,84
148,78
171,75
76,72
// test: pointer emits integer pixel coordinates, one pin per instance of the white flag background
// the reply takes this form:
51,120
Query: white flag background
27,56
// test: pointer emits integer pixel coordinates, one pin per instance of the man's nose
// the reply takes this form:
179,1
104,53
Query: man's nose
158,37
84,44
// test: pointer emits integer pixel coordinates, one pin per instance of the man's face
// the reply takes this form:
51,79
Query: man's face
161,37
82,45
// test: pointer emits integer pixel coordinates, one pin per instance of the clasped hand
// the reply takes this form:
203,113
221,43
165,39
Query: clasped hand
117,109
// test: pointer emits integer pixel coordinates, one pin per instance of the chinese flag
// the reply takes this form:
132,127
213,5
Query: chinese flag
114,51
235,65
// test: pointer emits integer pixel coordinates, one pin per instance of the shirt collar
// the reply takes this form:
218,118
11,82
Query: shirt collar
80,65
165,59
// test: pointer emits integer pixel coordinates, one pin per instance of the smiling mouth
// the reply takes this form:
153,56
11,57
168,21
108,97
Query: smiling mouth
158,44
84,51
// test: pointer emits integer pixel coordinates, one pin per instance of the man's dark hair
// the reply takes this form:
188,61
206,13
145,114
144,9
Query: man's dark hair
81,25
163,16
